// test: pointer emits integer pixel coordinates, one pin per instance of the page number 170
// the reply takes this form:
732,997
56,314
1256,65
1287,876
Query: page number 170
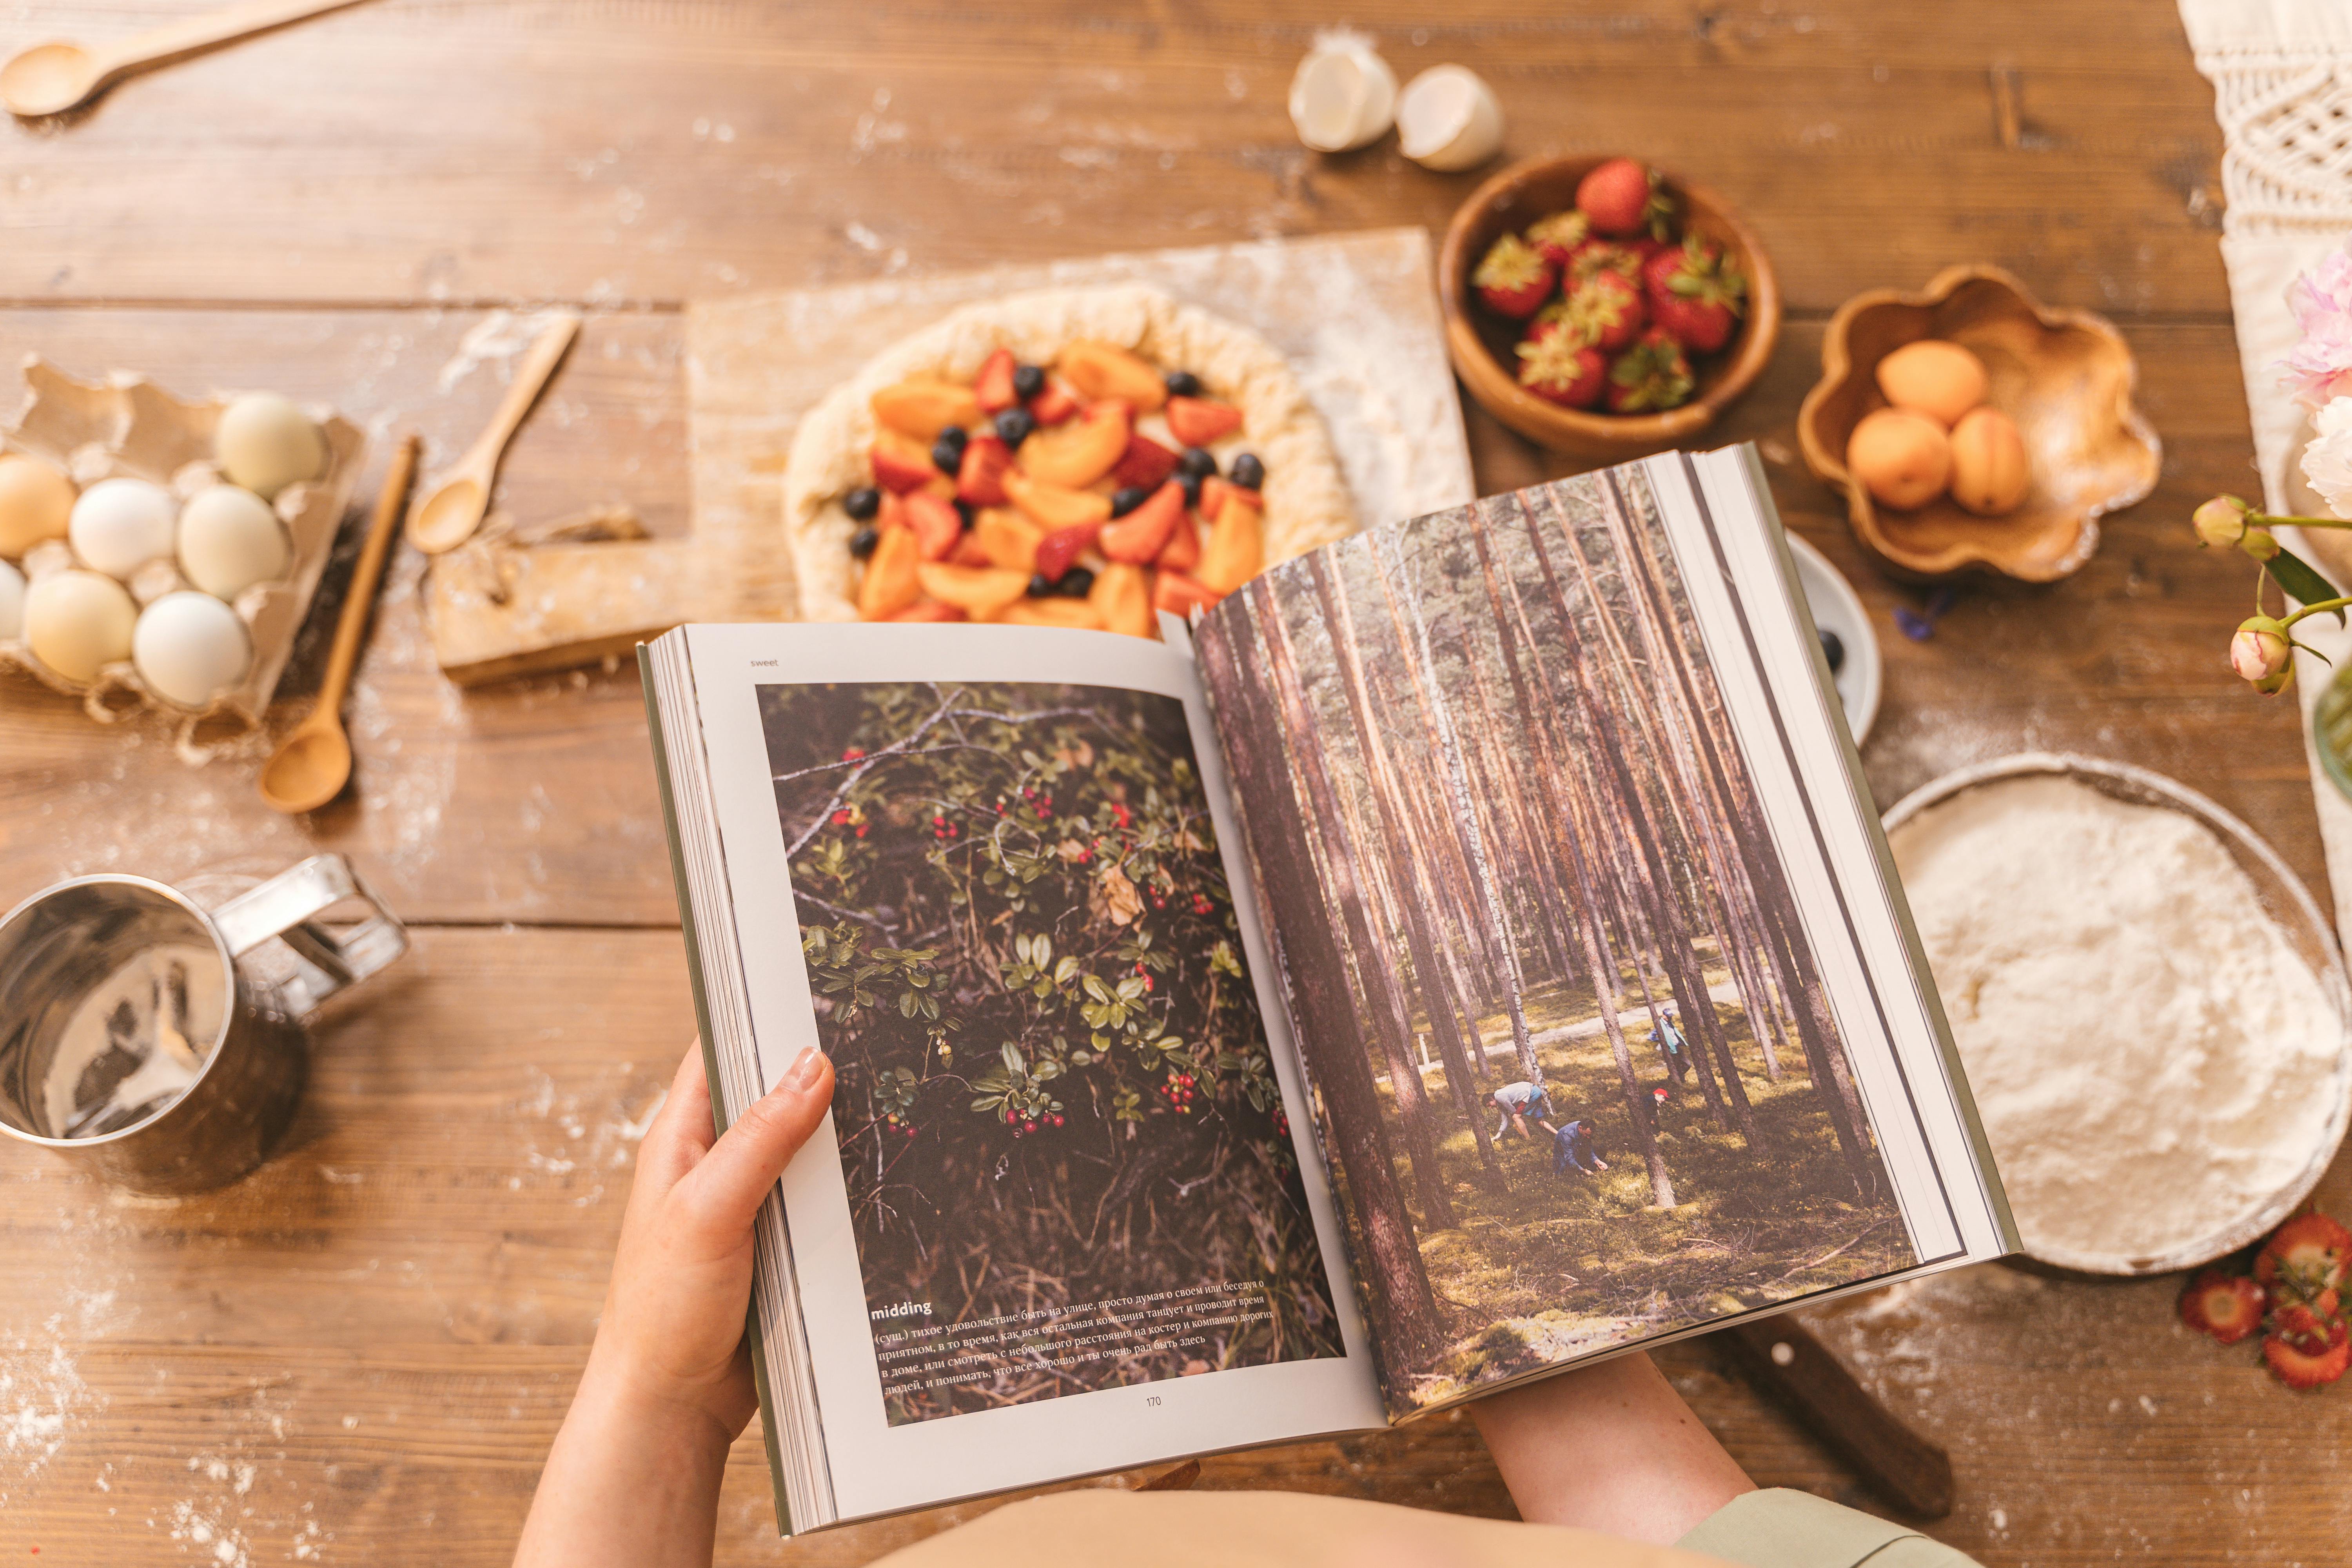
1151,1400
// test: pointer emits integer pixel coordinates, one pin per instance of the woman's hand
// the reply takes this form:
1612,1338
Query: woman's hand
634,1475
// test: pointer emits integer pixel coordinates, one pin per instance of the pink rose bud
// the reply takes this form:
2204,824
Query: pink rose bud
2260,653
2260,544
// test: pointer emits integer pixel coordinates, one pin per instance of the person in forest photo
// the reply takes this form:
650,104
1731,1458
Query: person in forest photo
1573,1149
1027,972
1521,1103
1670,1043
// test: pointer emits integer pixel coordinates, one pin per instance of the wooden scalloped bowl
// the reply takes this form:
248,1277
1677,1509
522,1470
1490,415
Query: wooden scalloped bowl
1480,346
2064,376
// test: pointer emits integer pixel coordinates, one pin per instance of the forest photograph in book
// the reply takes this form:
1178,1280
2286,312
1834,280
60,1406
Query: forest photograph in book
1068,1161
1581,1081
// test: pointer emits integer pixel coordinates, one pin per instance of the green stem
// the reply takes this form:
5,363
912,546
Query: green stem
2324,607
2265,520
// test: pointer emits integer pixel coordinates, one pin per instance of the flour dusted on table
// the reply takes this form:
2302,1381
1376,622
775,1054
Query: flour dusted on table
2146,1047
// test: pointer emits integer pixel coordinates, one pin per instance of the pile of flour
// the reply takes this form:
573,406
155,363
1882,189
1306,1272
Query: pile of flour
2149,1054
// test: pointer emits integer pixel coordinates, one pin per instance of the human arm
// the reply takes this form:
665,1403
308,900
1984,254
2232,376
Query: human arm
634,1472
1610,1447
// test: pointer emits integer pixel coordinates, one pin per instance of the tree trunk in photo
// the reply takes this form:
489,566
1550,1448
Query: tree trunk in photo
1422,669
1403,859
1680,960
1401,1310
1376,962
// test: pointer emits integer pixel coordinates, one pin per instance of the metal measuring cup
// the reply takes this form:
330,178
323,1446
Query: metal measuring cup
61,945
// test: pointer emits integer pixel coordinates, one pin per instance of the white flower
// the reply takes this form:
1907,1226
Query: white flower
2327,461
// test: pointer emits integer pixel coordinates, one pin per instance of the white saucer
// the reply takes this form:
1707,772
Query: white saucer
1837,610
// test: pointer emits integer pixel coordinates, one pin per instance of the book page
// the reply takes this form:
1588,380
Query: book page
1595,1065
1065,1217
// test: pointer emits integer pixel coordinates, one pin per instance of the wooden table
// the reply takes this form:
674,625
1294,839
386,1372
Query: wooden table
360,1355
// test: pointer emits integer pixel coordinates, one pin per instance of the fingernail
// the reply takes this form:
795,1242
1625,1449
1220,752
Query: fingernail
805,1068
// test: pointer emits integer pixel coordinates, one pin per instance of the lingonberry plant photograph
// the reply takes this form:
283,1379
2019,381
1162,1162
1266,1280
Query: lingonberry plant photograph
1068,1163
1582,1080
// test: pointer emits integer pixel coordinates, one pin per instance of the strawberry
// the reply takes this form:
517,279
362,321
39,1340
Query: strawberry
1214,491
938,530
1603,311
2226,1306
995,386
1696,294
1558,369
1514,279
1622,197
1053,406
980,479
1183,551
2307,1351
899,469
1652,376
1198,421
1058,549
2304,1259
1596,256
1556,236
1139,537
1145,467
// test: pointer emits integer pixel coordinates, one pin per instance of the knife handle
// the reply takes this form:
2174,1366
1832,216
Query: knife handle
1782,1359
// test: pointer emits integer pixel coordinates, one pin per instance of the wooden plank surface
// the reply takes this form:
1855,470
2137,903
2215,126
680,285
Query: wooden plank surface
359,1354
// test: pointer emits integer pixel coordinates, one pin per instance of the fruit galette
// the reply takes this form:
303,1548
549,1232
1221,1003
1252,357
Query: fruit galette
1070,458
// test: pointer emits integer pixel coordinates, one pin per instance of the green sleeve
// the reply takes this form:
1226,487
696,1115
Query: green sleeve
1784,1529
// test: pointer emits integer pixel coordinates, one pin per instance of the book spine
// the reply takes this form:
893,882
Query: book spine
721,1114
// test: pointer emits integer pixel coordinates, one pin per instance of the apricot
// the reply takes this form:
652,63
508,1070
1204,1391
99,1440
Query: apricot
978,591
1122,594
1941,380
1079,615
1236,548
1076,455
1901,457
891,584
1105,370
1055,506
924,406
1990,471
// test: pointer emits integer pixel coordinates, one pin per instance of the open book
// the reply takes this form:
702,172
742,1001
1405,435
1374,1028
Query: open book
1467,952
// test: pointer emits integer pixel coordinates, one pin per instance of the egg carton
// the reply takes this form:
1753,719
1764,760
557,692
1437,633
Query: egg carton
126,426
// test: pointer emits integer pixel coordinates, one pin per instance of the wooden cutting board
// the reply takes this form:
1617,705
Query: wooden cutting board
1355,314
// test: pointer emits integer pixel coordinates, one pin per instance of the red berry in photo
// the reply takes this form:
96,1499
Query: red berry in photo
1514,279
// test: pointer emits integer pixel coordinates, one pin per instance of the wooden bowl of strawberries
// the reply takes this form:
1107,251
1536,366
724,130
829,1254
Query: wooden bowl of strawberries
1604,307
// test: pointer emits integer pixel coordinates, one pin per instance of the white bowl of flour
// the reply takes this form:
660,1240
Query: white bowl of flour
2152,1010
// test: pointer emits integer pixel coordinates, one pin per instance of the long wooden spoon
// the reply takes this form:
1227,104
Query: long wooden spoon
49,78
448,516
315,762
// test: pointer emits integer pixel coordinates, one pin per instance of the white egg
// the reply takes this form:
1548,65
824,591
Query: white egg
12,602
265,443
119,525
35,501
230,540
78,622
190,648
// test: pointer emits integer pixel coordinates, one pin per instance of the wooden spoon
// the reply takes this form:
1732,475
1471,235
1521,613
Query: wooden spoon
314,762
448,516
49,78
1782,1359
